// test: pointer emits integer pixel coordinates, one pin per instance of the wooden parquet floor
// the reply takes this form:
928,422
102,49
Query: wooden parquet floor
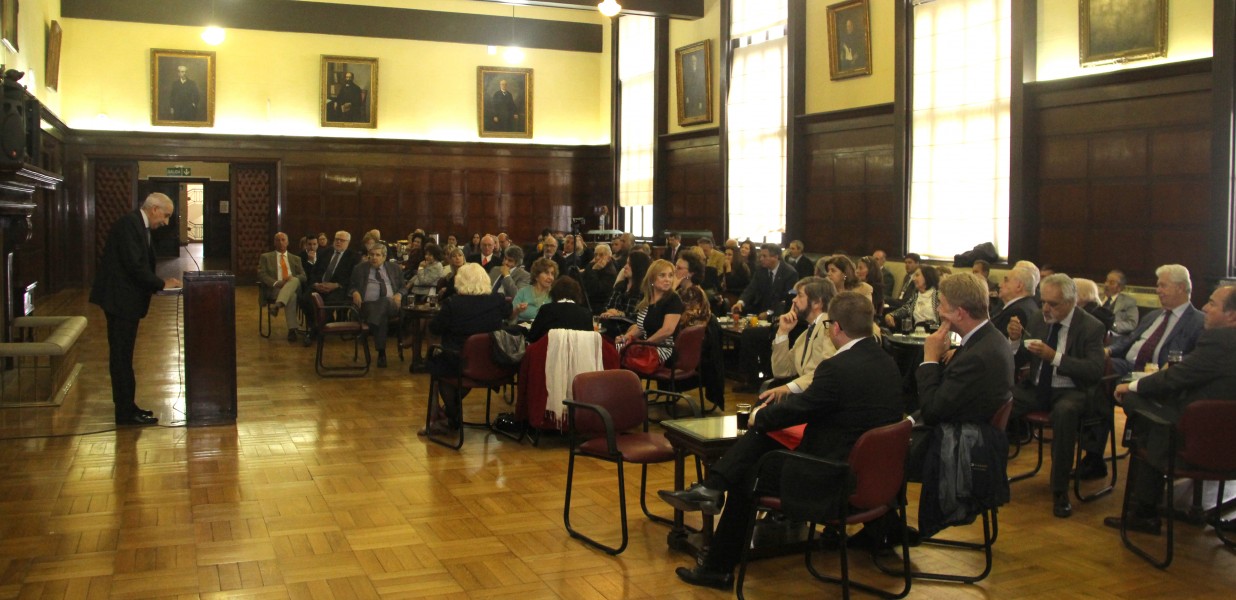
323,490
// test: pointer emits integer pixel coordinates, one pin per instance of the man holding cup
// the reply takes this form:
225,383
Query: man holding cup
856,390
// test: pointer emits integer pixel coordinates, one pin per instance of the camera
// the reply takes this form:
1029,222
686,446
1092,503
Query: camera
577,224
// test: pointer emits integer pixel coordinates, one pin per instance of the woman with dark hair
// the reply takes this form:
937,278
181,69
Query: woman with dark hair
529,299
868,271
658,312
840,270
924,305
737,272
747,251
473,246
473,309
626,293
429,271
565,310
688,270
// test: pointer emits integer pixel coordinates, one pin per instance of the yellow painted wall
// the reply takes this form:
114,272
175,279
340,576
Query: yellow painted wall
268,83
1189,37
683,33
33,19
825,95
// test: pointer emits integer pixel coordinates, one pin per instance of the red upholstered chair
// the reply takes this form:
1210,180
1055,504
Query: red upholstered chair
684,372
533,391
877,465
352,327
607,405
1202,449
477,370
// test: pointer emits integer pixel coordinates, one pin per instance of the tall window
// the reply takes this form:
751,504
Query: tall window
756,119
636,66
959,179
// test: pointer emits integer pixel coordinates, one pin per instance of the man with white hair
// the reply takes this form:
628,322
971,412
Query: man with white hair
1064,348
122,288
282,275
1017,295
1173,328
1088,300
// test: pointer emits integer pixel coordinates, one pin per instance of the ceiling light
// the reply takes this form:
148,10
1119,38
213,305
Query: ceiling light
213,35
609,8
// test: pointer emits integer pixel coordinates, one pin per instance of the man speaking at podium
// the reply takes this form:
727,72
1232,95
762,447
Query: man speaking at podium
122,288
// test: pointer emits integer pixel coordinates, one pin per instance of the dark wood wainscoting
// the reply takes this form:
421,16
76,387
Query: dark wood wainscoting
1120,172
692,182
850,198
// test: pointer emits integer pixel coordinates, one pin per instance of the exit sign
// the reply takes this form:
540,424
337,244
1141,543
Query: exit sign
179,171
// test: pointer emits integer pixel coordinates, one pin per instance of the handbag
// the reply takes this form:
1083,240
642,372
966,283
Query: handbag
641,358
508,346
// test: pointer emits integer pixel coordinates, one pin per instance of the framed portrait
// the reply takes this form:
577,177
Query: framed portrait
1122,30
182,88
849,39
504,102
52,68
8,24
694,83
349,91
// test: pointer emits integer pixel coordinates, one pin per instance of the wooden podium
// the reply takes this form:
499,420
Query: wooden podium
210,348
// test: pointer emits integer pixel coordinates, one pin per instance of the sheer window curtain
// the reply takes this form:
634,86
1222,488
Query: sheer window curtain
756,120
959,182
636,66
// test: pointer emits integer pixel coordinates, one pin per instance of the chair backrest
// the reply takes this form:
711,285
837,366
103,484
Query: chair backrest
1000,420
689,348
1206,427
319,308
477,360
878,460
618,391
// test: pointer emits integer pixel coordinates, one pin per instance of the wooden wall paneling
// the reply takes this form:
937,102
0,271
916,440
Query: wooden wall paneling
694,196
115,189
254,188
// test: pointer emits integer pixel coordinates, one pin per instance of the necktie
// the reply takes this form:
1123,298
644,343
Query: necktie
334,262
1046,370
1108,303
1146,352
807,340
377,272
283,266
497,284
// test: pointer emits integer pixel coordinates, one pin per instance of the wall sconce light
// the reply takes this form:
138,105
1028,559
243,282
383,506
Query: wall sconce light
609,8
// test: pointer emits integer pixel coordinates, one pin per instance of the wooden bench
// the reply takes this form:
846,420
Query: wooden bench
39,369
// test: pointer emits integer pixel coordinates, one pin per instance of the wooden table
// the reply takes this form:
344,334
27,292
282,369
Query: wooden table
413,321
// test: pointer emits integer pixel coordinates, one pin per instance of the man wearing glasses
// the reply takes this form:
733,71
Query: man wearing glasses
375,287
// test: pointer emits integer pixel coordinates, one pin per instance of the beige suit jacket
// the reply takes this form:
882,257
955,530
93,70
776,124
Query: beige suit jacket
790,362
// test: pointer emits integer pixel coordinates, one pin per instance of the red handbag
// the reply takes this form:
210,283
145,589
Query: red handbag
641,358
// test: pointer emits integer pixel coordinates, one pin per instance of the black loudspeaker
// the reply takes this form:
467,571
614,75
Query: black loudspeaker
13,104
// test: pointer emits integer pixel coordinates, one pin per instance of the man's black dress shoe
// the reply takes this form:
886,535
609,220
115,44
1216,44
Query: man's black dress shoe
705,577
141,411
1060,505
1151,525
1092,467
136,419
382,361
696,497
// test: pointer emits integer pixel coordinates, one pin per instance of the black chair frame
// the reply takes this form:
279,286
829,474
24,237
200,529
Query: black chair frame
359,341
456,442
1104,418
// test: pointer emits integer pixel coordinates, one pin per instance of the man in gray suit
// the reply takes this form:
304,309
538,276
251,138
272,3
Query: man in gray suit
1209,372
375,287
283,276
508,277
1175,327
1064,347
1121,304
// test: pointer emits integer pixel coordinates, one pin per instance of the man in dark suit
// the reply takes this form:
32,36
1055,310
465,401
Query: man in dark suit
375,287
673,245
907,289
1064,348
1017,298
765,295
122,288
856,390
486,257
798,260
1175,327
886,276
1209,372
336,270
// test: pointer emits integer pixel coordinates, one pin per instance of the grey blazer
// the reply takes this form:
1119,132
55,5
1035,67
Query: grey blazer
1124,307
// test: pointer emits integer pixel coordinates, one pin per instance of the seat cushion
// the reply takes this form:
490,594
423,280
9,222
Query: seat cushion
344,327
1039,417
643,448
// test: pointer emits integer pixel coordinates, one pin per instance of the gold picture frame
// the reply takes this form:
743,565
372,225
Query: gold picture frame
1117,31
504,102
349,91
694,78
8,24
177,97
55,34
849,47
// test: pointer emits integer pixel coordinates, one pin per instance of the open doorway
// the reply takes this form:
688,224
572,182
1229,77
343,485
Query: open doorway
200,220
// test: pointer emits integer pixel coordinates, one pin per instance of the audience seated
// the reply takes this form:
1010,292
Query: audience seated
622,246
548,250
658,312
427,273
485,256
575,254
736,274
1063,381
473,246
886,275
598,276
282,274
566,310
794,361
1015,297
868,271
907,288
696,307
1173,328
801,263
1119,303
626,292
688,269
1087,300
337,272
764,296
455,260
922,306
673,245
529,299
375,287
714,265
839,269
510,276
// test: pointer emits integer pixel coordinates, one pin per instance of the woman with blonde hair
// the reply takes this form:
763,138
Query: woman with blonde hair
658,312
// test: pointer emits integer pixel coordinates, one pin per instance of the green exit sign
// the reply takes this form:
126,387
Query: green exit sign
179,171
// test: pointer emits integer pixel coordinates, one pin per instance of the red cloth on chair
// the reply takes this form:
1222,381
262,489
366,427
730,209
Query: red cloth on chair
790,437
532,393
